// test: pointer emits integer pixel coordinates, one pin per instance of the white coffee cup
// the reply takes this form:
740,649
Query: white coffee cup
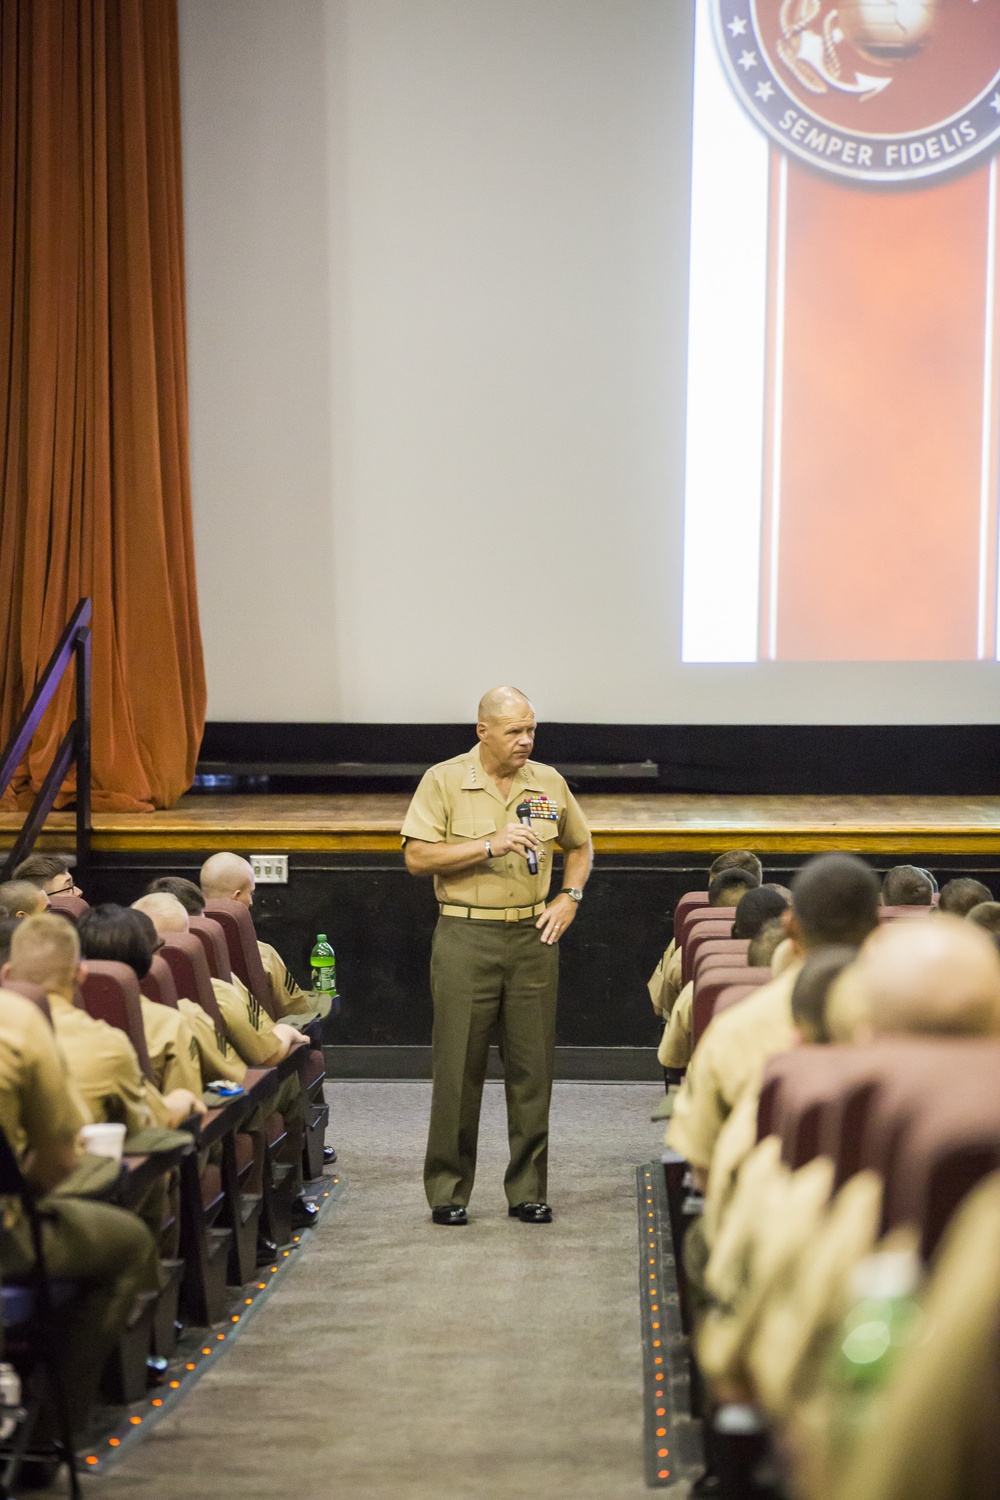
104,1140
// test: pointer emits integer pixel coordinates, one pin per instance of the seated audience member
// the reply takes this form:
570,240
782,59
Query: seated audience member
128,937
987,916
185,891
100,1059
932,976
730,886
835,899
905,885
52,873
665,982
959,896
933,1433
228,877
756,908
106,1248
21,898
256,1039
760,954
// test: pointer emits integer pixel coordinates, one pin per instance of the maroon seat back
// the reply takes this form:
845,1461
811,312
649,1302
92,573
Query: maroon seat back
716,990
111,994
953,1142
720,953
158,984
185,957
699,914
32,992
719,924
687,903
73,906
800,1087
244,955
210,934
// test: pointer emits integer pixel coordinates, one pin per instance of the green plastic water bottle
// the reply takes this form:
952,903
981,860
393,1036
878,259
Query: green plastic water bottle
324,967
873,1338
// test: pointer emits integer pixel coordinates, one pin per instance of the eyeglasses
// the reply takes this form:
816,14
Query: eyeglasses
66,890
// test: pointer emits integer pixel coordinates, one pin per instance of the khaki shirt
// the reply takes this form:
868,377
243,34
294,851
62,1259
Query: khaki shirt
289,998
676,1043
102,1063
933,1434
217,1056
727,1059
37,1106
250,1028
173,1052
456,801
665,981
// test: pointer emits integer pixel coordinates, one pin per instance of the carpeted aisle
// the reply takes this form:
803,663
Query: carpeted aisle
404,1360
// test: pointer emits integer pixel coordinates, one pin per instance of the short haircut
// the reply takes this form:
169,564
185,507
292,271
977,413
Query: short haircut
762,947
960,895
118,933
727,888
905,885
755,908
8,926
737,859
41,868
18,895
44,950
186,892
836,900
809,994
987,915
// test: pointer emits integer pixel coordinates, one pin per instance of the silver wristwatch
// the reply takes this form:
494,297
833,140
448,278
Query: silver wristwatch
489,850
572,892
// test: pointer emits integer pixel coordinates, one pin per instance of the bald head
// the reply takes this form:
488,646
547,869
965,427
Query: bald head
503,703
164,911
933,975
227,877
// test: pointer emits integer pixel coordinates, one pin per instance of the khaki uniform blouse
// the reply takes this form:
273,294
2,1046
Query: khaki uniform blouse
457,801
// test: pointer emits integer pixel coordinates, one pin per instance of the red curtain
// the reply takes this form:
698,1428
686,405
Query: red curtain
94,481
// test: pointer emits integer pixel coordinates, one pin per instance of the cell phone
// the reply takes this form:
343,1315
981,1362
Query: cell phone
225,1088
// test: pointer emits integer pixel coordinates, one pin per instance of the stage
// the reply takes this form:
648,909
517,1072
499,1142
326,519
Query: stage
347,879
633,823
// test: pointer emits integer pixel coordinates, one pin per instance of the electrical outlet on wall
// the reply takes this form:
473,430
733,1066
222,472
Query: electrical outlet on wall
270,869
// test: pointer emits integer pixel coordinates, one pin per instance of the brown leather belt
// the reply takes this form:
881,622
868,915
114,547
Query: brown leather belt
493,913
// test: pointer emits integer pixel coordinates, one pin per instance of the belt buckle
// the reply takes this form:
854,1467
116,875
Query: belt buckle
512,914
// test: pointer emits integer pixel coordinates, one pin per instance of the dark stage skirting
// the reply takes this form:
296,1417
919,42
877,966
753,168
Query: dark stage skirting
347,879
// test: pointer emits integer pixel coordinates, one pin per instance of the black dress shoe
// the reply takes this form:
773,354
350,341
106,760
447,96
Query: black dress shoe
302,1214
329,1156
266,1250
530,1213
450,1214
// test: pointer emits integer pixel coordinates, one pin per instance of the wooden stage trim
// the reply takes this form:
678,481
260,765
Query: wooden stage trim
633,824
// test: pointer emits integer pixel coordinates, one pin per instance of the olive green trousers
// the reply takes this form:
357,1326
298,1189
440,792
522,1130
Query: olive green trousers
485,974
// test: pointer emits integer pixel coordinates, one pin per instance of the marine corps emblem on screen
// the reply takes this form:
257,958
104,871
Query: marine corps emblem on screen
881,91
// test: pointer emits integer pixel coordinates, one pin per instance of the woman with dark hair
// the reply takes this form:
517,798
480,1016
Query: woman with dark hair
120,935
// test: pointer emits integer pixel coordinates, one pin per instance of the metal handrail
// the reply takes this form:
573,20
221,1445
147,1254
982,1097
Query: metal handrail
74,645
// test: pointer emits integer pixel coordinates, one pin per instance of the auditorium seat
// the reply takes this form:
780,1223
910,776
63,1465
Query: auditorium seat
704,914
184,955
703,931
213,940
158,984
244,955
721,953
111,993
73,906
717,989
687,903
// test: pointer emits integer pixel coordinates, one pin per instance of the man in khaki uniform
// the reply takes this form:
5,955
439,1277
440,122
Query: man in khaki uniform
228,877
106,1247
495,956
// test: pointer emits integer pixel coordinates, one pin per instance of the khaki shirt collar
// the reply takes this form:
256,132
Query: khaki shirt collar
475,779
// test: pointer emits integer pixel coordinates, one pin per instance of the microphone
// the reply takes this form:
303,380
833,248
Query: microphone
524,815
